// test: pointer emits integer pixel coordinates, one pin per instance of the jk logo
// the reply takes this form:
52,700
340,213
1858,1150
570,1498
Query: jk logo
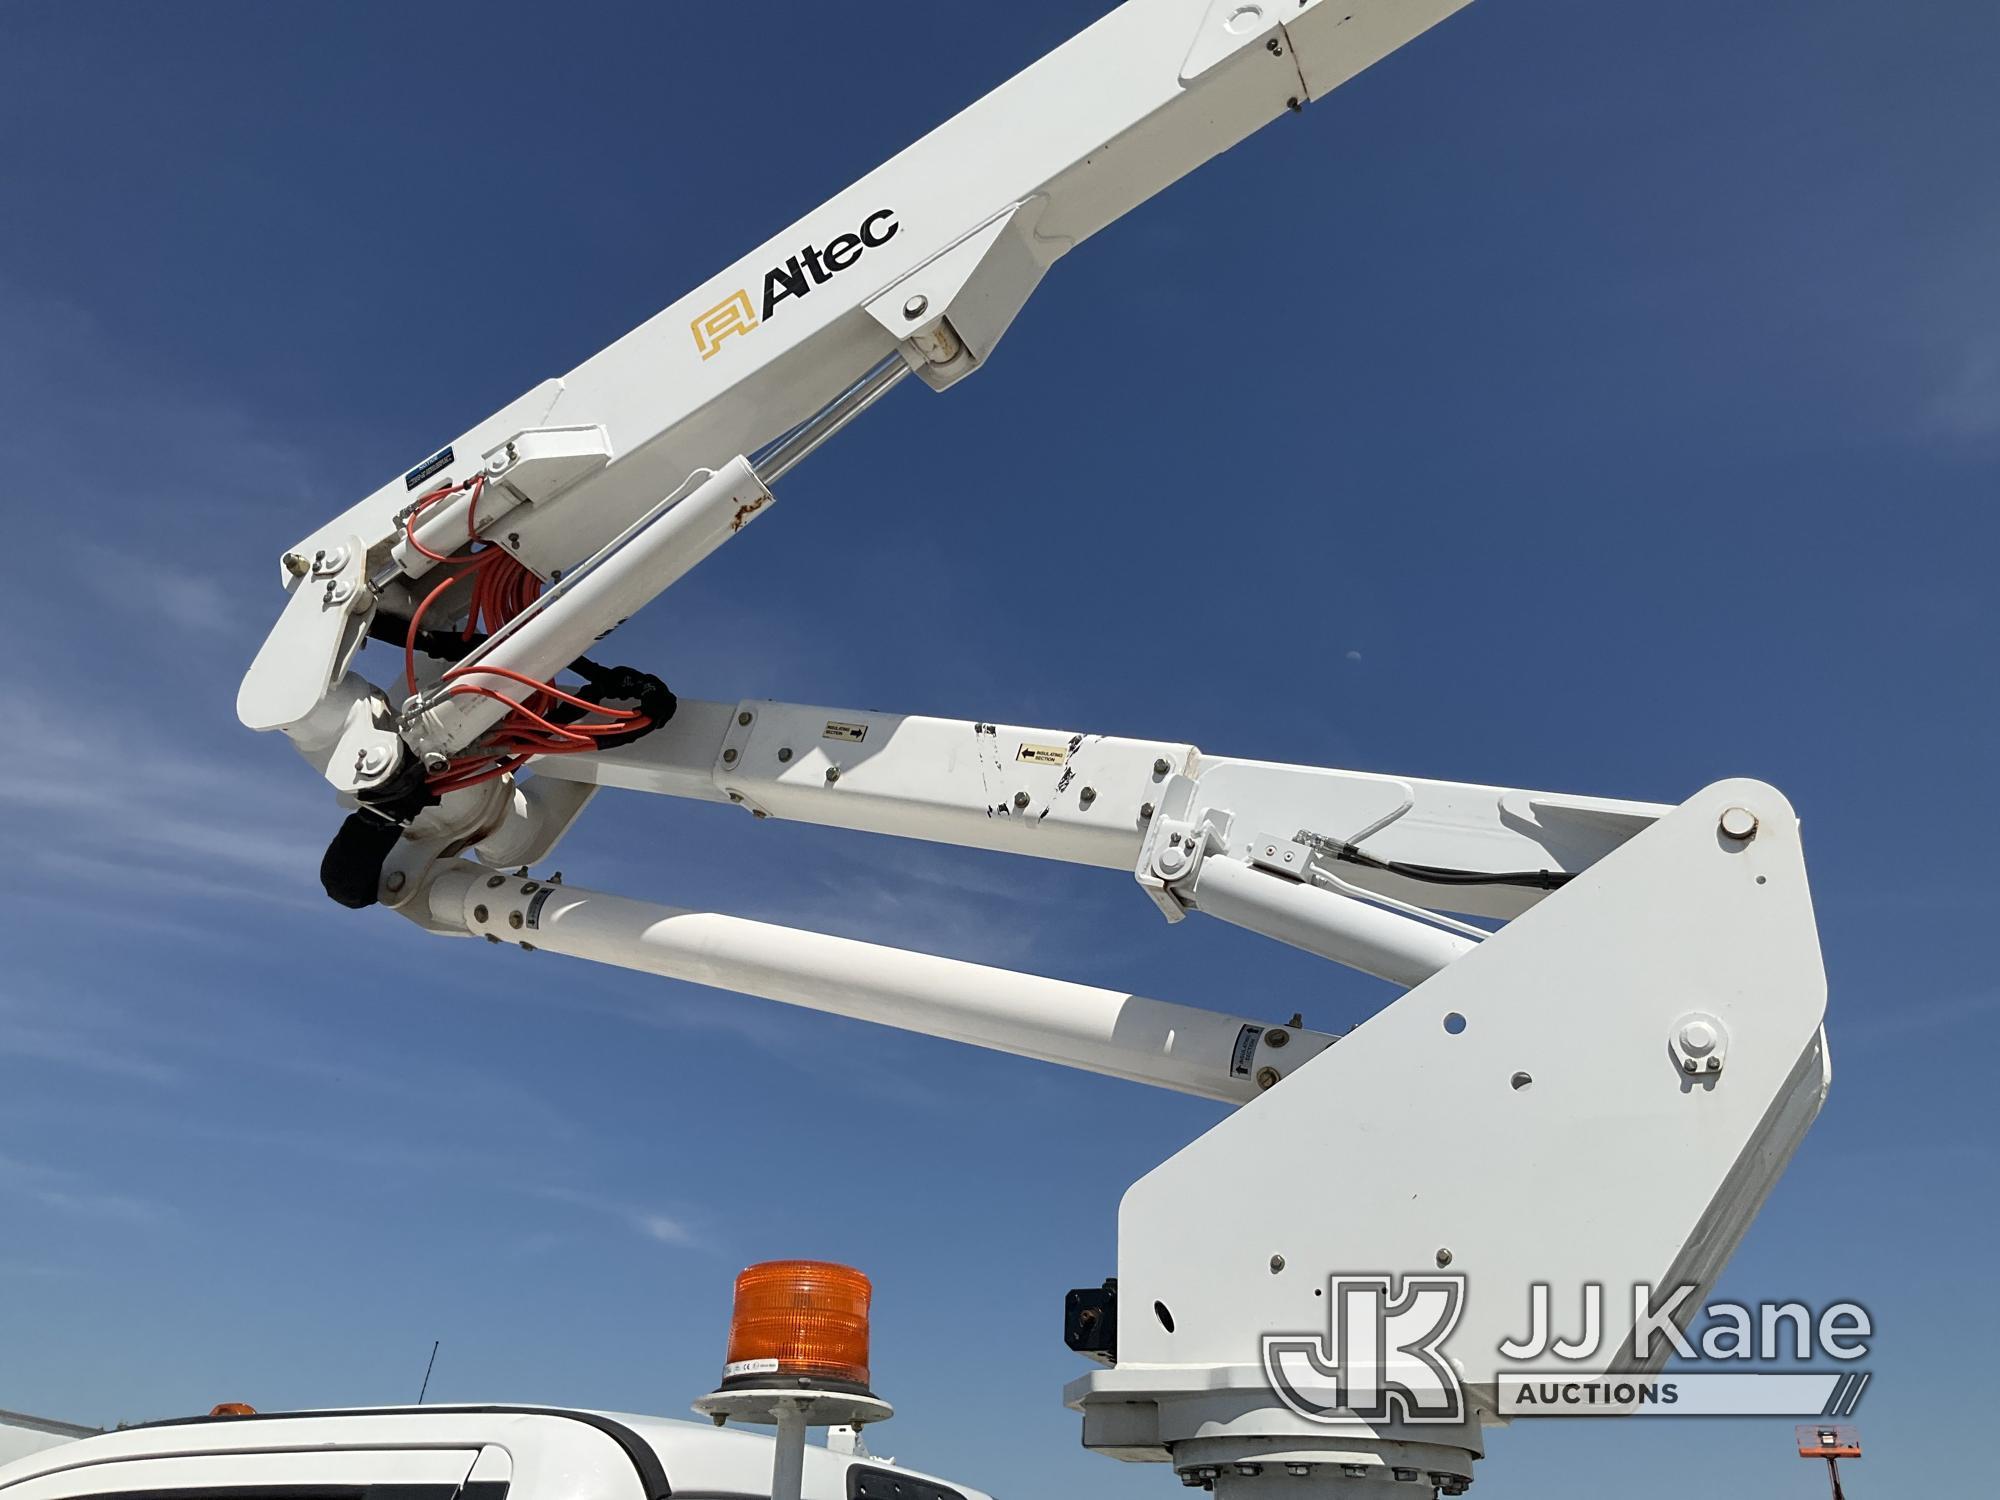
732,314
1381,1357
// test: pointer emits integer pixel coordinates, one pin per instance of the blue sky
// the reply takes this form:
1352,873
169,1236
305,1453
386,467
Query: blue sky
1616,386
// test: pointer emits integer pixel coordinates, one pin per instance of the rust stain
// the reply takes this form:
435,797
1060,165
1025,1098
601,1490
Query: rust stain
745,512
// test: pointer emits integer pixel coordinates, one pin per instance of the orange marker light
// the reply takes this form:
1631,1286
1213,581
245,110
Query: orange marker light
232,1409
799,1322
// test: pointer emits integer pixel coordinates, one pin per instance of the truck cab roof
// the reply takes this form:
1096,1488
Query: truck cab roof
445,1453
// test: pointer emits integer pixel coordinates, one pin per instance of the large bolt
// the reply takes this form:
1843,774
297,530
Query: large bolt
1267,1078
916,306
1697,1036
1020,799
1738,823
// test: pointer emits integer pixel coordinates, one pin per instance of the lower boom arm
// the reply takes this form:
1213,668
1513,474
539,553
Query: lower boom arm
1597,1094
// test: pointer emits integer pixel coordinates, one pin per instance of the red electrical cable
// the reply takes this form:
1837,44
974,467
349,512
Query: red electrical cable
502,587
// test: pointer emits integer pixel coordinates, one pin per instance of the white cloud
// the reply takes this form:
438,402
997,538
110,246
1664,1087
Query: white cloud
153,591
662,1228
667,1231
67,1192
1969,403
104,807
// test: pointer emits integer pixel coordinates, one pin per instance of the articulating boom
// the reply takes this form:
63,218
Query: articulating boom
1597,1084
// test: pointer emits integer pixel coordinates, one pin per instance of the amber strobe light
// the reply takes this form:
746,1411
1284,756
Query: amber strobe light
799,1322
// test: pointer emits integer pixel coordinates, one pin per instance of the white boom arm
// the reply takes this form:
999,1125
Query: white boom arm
1641,1036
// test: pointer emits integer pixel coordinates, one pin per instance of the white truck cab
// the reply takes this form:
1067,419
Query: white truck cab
446,1453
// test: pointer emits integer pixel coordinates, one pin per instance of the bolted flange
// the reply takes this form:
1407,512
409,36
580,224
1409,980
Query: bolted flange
1699,1044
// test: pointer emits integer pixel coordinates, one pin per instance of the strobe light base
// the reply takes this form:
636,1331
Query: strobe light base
763,1407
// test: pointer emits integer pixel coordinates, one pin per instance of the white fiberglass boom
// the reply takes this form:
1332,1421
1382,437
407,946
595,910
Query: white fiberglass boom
1641,1035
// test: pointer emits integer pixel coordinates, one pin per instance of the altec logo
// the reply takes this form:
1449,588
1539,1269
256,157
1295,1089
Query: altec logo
813,266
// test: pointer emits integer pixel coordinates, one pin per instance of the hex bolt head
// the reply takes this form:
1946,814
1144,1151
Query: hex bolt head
744,718
1267,1077
832,774
917,306
1443,1257
1693,1066
1160,766
1087,796
1277,1264
1020,799
729,756
1145,809
1738,823
784,754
